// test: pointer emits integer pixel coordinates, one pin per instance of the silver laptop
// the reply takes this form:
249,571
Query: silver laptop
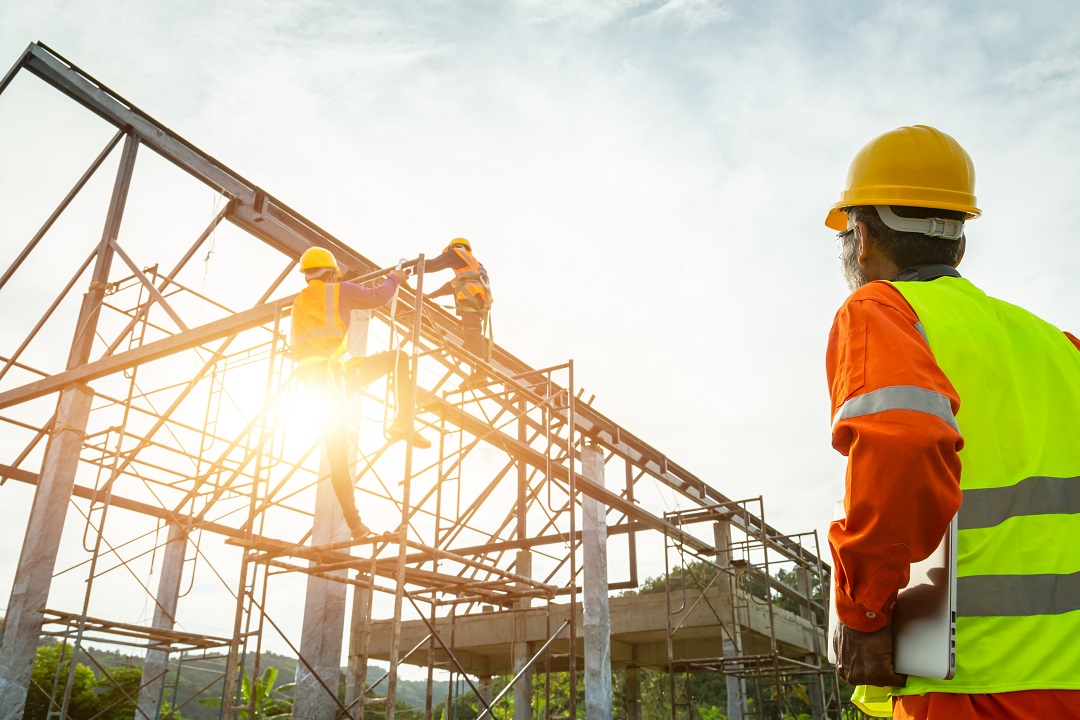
924,620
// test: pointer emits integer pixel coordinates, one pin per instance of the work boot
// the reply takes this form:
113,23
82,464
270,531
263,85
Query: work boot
400,431
358,530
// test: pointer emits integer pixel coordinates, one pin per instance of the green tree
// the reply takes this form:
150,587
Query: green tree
42,695
791,579
262,701
695,575
118,696
467,706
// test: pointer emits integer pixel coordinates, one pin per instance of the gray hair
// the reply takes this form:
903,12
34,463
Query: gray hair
907,249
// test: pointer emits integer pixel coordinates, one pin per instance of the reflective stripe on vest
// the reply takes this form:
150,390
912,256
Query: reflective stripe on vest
898,397
1018,561
472,292
317,329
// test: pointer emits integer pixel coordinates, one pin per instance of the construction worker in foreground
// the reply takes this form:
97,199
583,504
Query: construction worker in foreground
320,323
946,400
472,298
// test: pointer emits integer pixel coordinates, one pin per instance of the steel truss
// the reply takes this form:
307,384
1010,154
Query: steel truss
178,430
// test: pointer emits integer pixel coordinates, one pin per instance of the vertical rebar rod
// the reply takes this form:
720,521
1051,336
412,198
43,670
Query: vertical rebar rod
403,530
572,485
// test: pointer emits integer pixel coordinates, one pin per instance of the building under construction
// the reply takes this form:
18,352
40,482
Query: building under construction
181,506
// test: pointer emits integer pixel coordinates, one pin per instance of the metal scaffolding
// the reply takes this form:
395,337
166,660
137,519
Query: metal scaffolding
176,428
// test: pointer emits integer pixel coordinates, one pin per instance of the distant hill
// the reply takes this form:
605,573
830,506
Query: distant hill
193,678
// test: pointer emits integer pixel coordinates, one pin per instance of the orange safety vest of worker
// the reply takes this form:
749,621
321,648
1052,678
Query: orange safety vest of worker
317,329
472,292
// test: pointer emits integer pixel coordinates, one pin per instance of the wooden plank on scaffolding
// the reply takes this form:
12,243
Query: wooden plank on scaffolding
176,640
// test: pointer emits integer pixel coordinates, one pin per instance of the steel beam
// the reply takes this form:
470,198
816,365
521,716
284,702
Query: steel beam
272,221
33,577
225,327
456,416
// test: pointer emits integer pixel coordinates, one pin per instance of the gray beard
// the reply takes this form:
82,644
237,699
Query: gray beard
853,273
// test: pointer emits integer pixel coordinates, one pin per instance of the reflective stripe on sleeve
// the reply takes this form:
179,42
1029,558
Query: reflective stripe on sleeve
899,397
1017,595
988,507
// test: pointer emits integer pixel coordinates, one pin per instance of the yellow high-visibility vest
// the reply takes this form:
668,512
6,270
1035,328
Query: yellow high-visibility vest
1018,551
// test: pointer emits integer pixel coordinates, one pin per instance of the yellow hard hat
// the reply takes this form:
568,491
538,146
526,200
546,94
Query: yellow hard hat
459,241
917,166
317,257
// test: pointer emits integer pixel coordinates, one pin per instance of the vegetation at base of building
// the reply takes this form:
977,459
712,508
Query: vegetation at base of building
93,695
260,700
706,693
105,686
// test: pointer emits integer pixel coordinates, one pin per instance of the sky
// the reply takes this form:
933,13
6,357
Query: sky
645,180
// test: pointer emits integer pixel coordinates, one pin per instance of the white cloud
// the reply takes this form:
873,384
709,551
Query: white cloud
690,14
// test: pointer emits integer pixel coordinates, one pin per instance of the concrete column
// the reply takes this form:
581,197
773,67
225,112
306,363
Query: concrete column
168,594
813,688
324,606
324,614
597,621
484,686
633,693
37,560
356,677
522,566
732,644
522,652
356,680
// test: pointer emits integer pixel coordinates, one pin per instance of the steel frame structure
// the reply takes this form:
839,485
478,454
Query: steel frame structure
146,426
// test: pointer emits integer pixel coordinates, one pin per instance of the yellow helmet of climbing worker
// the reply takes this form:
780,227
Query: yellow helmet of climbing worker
315,258
917,166
459,241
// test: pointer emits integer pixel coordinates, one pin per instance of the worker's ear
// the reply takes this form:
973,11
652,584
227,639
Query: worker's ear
963,248
865,244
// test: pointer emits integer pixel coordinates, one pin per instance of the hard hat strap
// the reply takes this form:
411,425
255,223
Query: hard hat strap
934,227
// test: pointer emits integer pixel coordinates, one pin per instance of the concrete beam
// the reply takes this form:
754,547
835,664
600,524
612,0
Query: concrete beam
483,641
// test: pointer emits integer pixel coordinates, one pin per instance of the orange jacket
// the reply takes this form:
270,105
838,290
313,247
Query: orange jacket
320,314
471,290
317,326
902,487
903,475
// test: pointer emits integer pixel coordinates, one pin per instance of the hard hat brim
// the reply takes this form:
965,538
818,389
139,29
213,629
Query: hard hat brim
836,220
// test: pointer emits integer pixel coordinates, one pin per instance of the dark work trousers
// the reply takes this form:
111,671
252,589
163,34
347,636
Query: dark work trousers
359,373
472,332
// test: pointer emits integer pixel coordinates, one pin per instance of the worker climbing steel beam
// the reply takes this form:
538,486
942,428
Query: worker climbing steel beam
320,323
471,289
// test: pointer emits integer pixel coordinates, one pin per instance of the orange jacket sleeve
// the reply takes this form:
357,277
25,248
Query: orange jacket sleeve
902,485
